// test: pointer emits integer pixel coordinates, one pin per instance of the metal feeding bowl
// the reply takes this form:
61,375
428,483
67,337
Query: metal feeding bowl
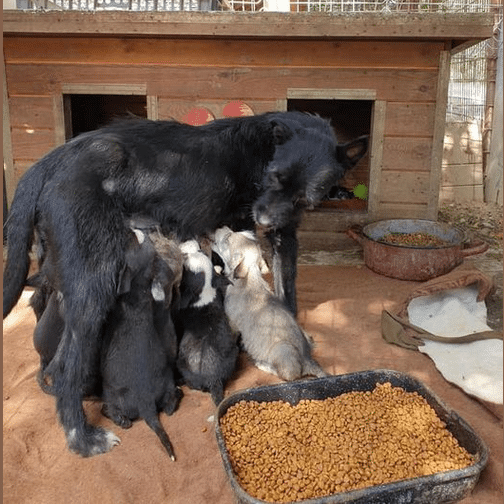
407,262
440,487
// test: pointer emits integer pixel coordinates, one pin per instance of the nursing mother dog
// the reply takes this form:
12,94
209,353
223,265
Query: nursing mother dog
237,172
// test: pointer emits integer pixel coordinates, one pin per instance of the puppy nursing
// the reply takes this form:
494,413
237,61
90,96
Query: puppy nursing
269,332
208,349
137,360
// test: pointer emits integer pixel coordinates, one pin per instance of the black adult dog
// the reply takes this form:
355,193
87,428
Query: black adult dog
192,180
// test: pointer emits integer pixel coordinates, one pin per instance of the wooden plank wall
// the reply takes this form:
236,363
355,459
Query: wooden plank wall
180,74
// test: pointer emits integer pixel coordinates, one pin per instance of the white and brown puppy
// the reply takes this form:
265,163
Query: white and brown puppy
269,332
208,348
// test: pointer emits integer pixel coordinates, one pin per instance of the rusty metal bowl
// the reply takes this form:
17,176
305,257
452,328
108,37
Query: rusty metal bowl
407,262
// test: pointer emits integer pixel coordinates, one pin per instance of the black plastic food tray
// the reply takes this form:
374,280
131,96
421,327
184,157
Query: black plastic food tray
442,487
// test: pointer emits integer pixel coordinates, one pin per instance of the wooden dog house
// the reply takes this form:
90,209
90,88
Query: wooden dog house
382,74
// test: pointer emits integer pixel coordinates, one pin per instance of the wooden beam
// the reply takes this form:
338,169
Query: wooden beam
8,178
271,25
376,157
331,94
438,134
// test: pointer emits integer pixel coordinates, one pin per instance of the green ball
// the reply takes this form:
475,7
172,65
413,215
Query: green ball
360,191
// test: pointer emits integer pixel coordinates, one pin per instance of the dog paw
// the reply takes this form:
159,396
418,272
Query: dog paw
92,441
116,416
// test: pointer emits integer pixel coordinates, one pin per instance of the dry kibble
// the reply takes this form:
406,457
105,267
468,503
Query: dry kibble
284,453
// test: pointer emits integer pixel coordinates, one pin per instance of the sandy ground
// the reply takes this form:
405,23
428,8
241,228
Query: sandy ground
340,305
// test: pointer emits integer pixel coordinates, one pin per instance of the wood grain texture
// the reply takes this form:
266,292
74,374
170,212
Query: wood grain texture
218,52
407,153
458,27
224,83
410,119
31,144
404,187
31,111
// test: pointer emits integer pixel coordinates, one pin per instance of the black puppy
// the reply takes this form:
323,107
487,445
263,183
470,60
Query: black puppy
47,303
137,361
263,169
208,348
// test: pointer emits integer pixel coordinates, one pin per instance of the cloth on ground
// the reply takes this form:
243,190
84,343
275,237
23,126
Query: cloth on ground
446,320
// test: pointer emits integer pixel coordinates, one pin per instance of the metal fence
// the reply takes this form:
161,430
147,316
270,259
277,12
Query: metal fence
347,6
129,5
469,78
468,83
404,6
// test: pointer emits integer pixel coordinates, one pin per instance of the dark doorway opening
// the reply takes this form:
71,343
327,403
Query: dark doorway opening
86,112
349,119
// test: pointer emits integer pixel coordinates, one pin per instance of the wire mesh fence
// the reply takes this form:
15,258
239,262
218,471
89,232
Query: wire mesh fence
347,6
121,5
469,77
467,87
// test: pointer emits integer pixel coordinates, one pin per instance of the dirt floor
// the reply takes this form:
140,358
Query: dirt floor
340,304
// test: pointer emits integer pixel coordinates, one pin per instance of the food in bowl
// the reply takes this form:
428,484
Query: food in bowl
416,239
284,453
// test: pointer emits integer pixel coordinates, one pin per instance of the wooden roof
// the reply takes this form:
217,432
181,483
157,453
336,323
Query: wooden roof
457,30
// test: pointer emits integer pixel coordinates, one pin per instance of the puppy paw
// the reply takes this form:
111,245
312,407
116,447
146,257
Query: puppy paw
171,401
116,416
91,441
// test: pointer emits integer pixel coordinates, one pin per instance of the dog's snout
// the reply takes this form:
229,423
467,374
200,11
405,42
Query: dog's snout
261,215
263,220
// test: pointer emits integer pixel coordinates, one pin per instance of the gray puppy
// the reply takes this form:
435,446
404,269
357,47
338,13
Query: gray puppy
269,332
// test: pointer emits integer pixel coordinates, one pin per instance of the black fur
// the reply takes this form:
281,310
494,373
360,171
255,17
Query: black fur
190,179
137,361
208,347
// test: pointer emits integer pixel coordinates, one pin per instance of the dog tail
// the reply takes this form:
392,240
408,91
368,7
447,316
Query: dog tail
20,225
154,423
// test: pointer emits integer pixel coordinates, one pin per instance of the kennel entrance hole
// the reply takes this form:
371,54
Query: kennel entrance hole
86,112
349,119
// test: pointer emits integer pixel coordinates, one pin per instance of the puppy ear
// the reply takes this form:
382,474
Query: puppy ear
348,154
263,266
241,270
217,261
281,133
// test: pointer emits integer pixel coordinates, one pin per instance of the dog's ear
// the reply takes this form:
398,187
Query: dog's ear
241,270
263,266
191,287
281,133
217,261
163,278
348,154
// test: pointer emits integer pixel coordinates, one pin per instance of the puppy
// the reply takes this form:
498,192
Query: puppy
48,305
47,302
208,348
136,369
269,332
